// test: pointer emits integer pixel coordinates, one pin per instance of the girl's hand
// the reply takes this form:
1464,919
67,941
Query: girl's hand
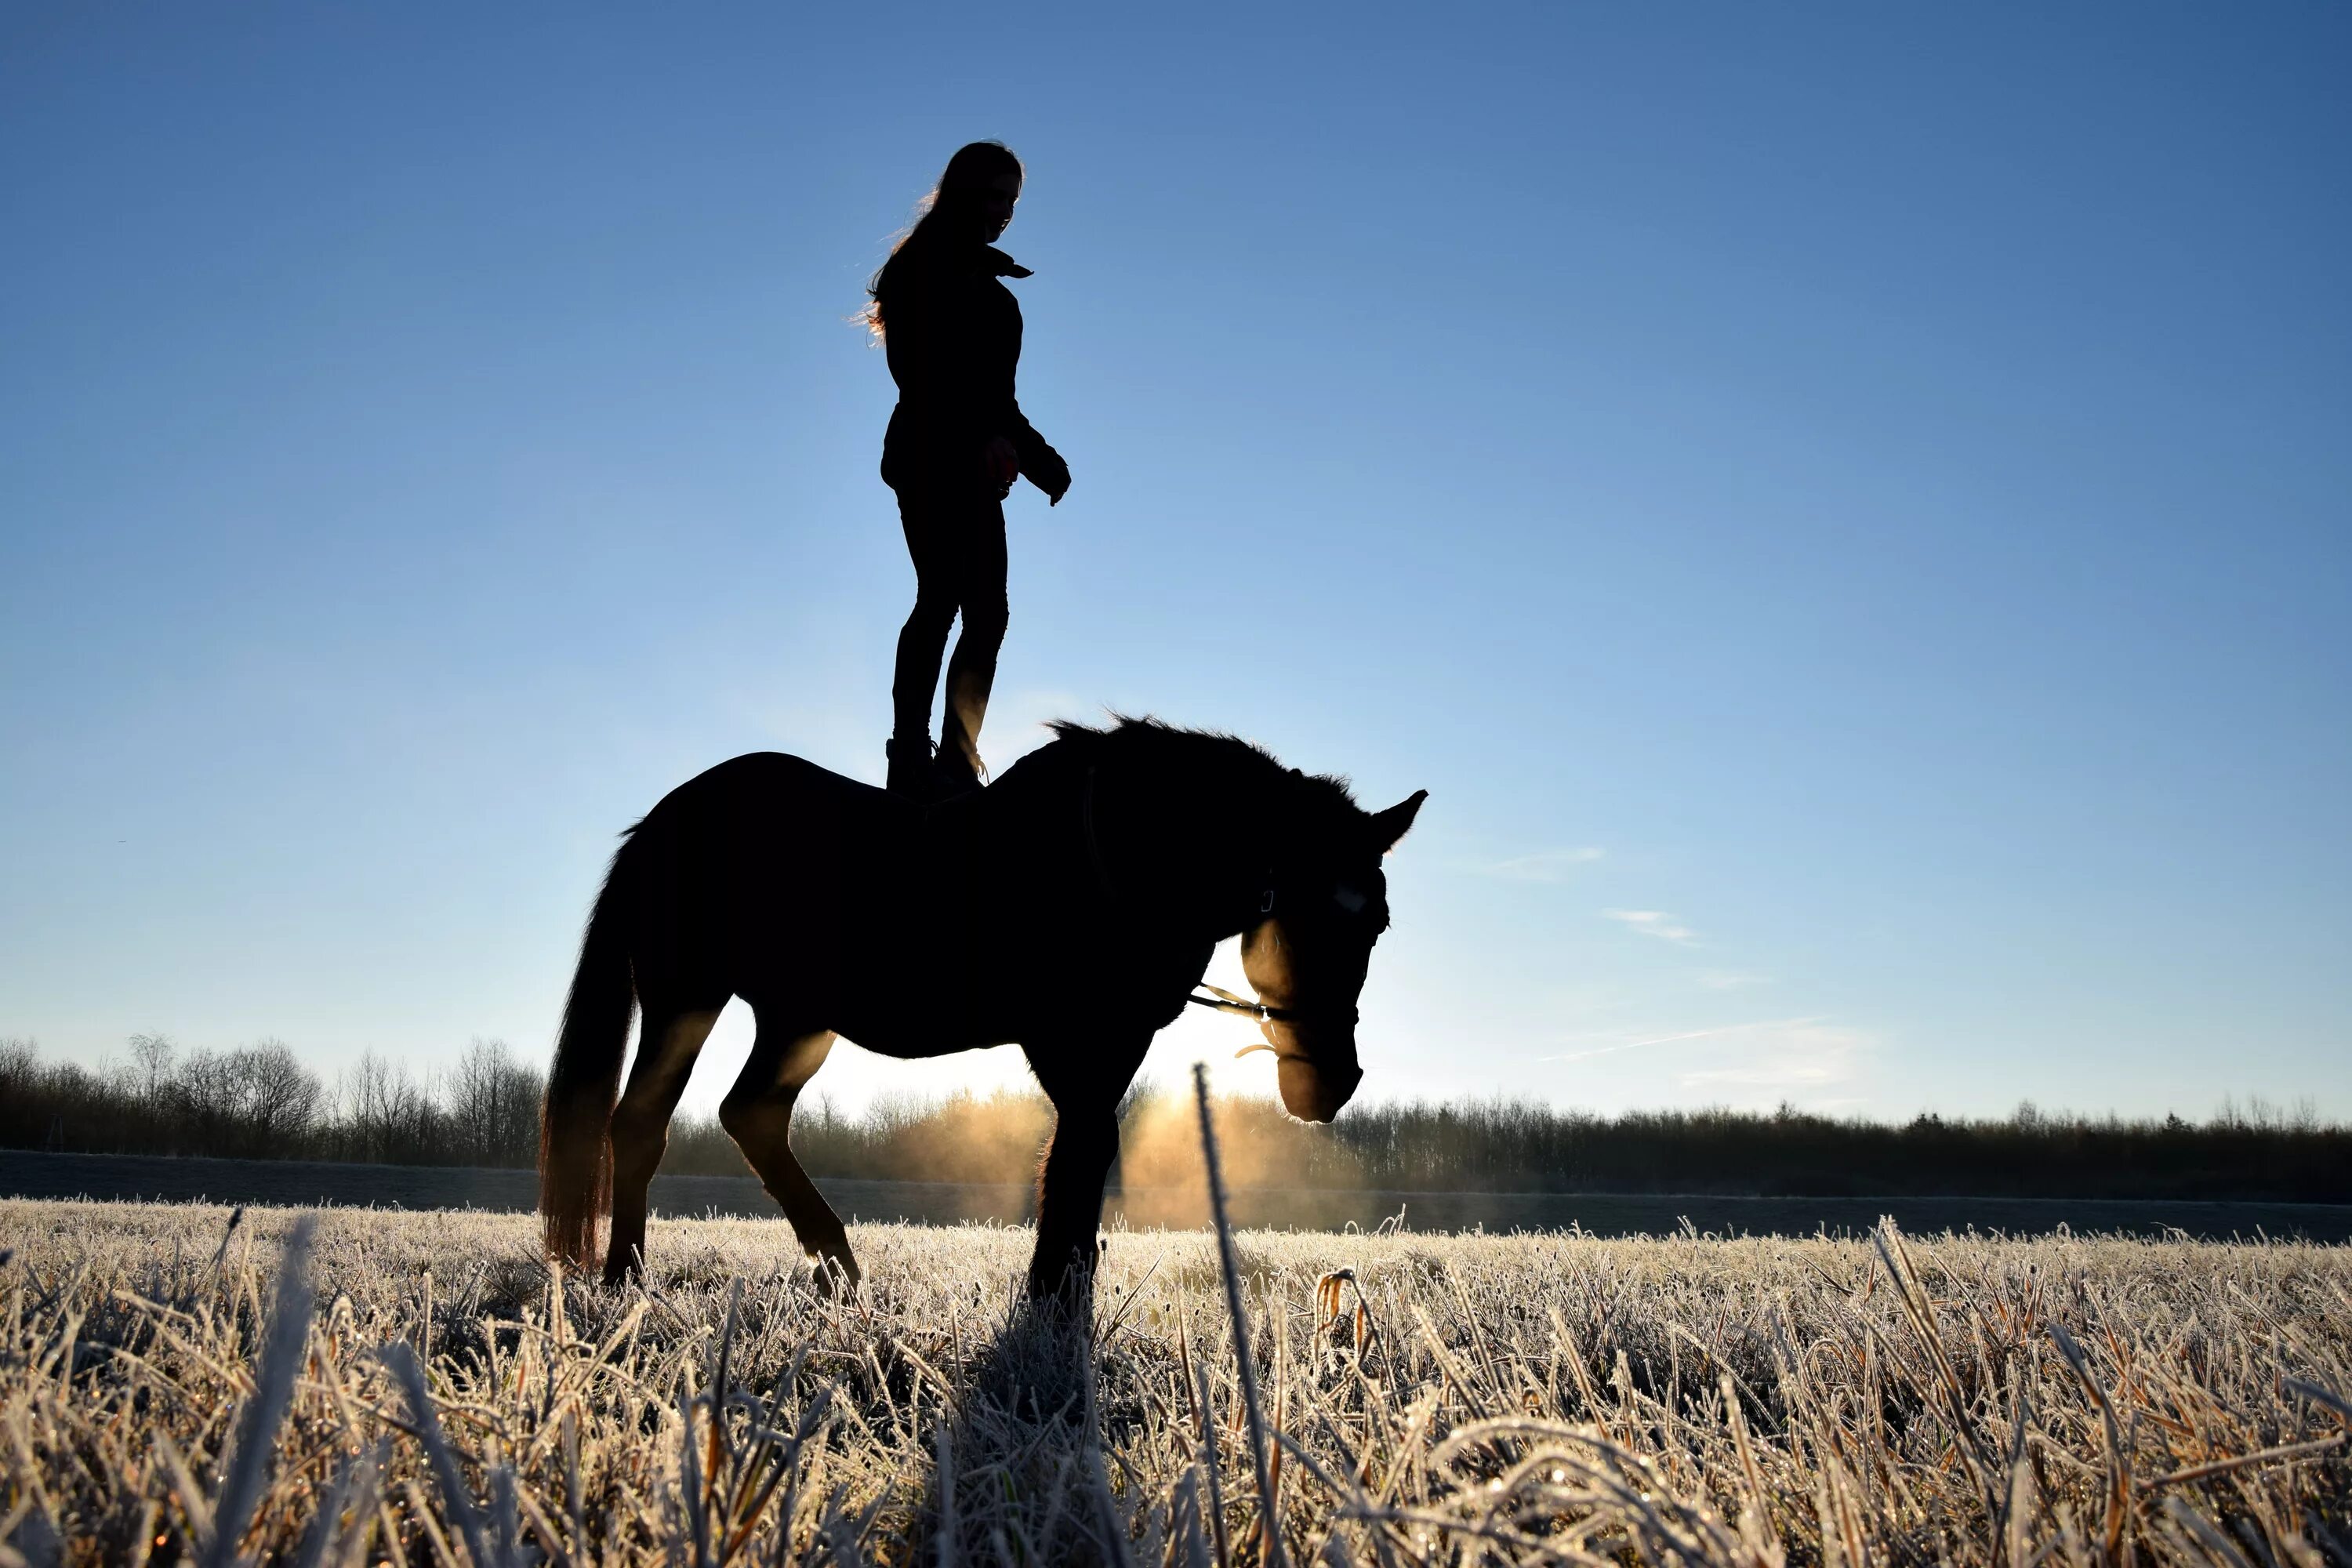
1001,464
1052,477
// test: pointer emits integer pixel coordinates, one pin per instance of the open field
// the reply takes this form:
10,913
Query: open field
1473,1399
285,1182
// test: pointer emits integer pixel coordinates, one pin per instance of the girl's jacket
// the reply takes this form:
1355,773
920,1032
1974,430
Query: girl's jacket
953,332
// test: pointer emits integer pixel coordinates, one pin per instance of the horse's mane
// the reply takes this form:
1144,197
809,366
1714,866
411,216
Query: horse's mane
1165,747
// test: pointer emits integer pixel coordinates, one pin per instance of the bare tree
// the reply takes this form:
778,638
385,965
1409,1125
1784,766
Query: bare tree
203,1098
151,1056
494,1105
387,1116
279,1100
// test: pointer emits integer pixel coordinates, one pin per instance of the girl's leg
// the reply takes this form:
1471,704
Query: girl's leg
924,638
981,570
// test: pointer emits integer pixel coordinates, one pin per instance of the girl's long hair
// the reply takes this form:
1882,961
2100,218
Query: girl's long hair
974,165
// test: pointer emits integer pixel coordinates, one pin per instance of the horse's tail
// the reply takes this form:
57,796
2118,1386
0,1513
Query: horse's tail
575,1157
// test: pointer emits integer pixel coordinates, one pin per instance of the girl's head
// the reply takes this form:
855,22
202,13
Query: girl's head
972,201
976,193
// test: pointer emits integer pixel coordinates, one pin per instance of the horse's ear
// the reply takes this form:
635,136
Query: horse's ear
1392,825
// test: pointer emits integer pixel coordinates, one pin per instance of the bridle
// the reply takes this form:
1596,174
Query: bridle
1223,1001
1218,999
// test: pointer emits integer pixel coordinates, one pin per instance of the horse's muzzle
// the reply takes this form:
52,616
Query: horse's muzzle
1316,1093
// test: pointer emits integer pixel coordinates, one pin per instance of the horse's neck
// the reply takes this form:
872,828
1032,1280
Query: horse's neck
1190,848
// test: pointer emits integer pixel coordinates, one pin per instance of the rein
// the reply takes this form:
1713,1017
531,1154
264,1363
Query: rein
1218,999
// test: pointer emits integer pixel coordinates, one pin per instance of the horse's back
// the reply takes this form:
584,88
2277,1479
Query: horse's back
763,783
781,879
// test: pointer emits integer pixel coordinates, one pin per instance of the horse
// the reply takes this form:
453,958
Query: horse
1070,907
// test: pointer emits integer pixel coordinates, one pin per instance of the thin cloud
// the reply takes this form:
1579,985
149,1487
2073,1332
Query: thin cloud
1799,1054
1653,923
1723,1031
1638,1045
1731,980
1546,866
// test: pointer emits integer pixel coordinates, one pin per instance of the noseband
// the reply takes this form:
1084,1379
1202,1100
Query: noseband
1219,999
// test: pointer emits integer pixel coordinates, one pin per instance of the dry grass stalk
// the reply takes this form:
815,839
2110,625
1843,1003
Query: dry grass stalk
1261,1456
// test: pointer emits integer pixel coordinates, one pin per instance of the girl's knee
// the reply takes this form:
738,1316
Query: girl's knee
987,617
932,613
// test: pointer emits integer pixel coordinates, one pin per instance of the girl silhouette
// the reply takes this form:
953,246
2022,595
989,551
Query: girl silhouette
956,443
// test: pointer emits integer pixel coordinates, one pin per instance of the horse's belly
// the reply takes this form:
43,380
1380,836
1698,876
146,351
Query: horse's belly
913,1039
922,999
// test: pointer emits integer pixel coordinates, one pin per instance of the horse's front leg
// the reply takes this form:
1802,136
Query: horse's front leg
667,1046
1070,1185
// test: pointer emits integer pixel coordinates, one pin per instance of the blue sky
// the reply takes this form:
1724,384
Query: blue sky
1844,509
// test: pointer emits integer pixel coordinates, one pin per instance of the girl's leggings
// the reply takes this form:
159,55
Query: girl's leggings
957,541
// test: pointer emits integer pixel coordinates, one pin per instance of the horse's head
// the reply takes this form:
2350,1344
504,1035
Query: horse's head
1307,959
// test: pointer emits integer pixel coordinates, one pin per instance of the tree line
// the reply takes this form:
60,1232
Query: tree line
260,1102
2254,1152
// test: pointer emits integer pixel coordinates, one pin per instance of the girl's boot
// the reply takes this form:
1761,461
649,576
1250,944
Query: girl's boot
911,768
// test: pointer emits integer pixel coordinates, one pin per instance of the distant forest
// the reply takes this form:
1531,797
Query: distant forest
260,1102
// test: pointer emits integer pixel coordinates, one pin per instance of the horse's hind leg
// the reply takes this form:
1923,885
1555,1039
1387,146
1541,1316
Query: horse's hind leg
666,1046
758,1114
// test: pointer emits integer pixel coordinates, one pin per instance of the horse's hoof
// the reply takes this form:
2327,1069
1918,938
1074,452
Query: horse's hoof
834,1279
